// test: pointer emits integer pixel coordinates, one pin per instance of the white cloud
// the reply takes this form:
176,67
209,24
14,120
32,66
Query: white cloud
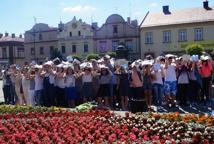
79,9
153,4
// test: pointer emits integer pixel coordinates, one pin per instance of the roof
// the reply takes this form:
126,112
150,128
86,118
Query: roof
115,18
10,39
182,16
39,27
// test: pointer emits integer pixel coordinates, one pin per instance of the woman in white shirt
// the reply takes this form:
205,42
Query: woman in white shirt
60,86
87,89
70,89
25,85
18,83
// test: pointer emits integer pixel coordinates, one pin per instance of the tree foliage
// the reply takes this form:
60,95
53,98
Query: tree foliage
92,56
194,49
112,54
78,57
55,53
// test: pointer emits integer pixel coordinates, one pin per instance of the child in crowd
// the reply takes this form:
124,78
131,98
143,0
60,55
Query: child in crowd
70,89
104,90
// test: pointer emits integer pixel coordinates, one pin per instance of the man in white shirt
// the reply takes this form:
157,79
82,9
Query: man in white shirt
170,84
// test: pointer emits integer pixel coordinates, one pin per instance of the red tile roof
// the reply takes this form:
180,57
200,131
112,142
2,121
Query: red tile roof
10,39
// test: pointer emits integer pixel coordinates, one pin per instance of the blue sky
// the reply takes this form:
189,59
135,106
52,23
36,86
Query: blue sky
17,15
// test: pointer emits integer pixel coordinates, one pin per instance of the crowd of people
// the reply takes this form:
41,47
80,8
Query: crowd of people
165,80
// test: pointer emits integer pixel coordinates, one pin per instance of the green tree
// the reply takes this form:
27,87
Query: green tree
112,54
55,53
78,57
92,56
194,49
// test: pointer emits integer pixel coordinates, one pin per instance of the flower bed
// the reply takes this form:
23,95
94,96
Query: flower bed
101,126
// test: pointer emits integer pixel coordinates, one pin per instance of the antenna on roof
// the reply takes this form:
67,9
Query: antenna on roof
92,16
116,10
130,9
35,20
60,18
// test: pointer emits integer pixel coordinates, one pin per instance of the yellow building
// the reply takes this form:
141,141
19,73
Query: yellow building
171,31
75,37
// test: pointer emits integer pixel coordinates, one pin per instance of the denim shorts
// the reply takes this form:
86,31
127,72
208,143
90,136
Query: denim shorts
147,86
170,87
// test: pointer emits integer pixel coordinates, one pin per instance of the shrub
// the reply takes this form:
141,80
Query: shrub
194,49
92,56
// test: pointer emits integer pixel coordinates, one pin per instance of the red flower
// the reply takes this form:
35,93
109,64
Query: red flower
127,114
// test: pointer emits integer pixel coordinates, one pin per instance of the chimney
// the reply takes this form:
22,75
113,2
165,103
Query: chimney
134,23
20,36
166,10
206,5
13,35
6,34
94,25
128,20
1,35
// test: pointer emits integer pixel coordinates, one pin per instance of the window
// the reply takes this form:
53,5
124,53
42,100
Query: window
198,34
114,45
129,44
102,48
79,33
73,48
41,51
148,38
63,49
115,29
70,34
85,48
40,37
4,53
182,35
32,51
167,36
20,52
51,49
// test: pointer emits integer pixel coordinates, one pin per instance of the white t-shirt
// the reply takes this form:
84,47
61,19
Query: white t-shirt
38,82
170,74
158,76
86,78
52,78
70,81
60,82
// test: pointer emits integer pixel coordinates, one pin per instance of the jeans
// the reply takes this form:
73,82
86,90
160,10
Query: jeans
38,97
158,94
7,93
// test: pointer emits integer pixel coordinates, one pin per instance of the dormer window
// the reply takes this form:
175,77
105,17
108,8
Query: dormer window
40,37
115,30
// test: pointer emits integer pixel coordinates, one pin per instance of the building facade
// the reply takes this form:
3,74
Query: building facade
75,38
39,42
172,31
116,31
11,49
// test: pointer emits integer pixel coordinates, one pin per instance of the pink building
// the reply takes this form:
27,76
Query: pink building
116,31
